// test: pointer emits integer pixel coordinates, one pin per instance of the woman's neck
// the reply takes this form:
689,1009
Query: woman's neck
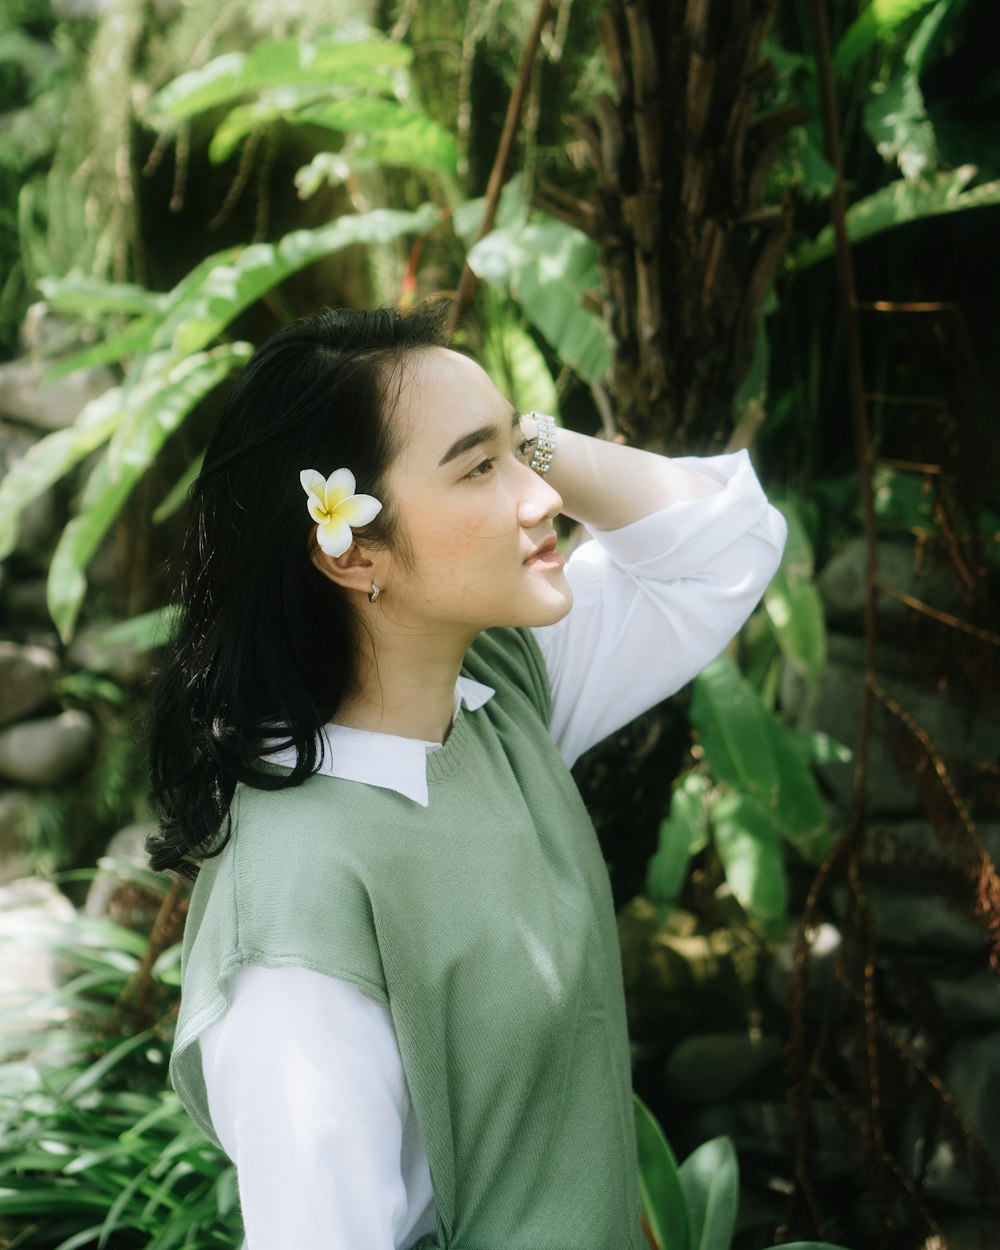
406,687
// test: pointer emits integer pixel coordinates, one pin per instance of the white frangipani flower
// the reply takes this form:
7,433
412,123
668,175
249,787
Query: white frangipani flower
335,507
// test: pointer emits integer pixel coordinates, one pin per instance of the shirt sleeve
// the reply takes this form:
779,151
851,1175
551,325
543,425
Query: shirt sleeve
657,600
307,1094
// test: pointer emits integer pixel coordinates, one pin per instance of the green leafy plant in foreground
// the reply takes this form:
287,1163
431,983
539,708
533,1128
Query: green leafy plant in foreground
95,1150
693,1206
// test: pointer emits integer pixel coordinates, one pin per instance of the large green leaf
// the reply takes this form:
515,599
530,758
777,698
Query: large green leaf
683,834
752,752
178,494
663,1202
154,408
391,126
793,603
204,304
286,63
808,1245
424,142
734,729
879,19
896,121
137,337
710,1180
133,339
512,359
84,296
748,846
900,203
549,267
243,120
46,461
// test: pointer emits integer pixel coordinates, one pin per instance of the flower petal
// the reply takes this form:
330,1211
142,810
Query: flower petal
313,482
339,486
318,509
359,509
334,536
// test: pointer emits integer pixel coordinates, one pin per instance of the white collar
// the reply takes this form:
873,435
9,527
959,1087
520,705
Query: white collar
384,760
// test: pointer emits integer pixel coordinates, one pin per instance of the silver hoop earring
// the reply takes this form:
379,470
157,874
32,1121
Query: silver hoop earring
374,593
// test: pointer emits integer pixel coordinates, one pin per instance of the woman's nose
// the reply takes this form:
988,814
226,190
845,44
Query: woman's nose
540,500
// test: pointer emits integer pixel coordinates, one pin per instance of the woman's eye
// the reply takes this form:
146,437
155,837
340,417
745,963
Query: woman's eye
482,469
526,445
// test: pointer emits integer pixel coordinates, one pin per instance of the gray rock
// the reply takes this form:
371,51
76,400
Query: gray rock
109,569
119,895
833,705
27,603
843,582
766,1128
26,397
711,1067
959,1174
973,1000
27,680
967,1232
923,922
32,915
122,661
15,844
824,942
914,851
47,751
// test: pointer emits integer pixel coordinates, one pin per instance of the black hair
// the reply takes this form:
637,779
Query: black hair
263,638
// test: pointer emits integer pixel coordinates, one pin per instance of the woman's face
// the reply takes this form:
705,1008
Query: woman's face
471,509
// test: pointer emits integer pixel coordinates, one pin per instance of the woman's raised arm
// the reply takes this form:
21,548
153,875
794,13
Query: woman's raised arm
680,554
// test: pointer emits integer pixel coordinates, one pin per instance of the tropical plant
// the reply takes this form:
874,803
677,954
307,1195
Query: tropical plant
693,1206
751,792
95,1150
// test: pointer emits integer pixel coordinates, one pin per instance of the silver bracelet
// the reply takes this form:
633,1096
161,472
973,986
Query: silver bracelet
545,441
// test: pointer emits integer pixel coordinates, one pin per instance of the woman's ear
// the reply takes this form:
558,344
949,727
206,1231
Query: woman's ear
352,570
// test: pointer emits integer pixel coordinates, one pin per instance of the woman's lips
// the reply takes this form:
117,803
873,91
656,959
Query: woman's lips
546,555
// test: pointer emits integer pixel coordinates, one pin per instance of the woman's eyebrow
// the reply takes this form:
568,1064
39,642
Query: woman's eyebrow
483,435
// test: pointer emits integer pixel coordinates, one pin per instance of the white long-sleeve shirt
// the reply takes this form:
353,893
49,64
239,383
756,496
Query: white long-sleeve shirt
305,1083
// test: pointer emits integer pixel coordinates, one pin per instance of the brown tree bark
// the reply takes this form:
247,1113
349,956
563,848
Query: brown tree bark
689,245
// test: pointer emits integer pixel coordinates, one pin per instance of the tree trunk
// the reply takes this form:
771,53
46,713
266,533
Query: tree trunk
688,245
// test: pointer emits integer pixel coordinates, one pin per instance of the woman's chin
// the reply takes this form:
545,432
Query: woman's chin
553,603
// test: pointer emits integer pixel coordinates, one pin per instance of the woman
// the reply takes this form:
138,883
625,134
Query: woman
402,1012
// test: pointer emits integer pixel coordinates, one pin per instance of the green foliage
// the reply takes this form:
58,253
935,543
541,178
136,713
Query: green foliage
879,19
663,1203
900,203
95,1150
148,414
682,836
286,65
549,268
166,342
326,85
513,360
33,89
751,790
793,604
896,121
173,369
694,1206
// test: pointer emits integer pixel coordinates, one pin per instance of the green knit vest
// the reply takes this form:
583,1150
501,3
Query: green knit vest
485,922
